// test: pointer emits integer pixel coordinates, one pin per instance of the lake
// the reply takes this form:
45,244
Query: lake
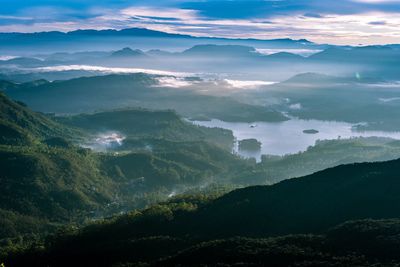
287,137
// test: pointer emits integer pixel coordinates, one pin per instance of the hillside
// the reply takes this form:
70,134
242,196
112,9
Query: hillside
44,178
195,231
141,123
90,94
19,125
310,204
48,180
318,96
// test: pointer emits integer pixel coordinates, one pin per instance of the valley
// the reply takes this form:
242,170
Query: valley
138,147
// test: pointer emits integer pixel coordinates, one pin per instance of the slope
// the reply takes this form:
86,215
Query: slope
311,205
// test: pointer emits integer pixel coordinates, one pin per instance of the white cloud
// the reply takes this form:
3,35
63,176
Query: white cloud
247,84
386,100
182,14
302,52
3,58
296,106
173,82
111,70
330,28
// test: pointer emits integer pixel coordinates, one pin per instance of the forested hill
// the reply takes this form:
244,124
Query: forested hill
142,123
47,179
90,94
20,125
308,205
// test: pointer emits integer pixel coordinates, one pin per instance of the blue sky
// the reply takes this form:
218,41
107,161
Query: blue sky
324,21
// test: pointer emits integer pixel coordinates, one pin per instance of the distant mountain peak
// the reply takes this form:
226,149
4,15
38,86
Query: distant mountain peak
311,77
128,52
284,55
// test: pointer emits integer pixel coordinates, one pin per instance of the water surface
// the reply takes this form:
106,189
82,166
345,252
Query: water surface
287,137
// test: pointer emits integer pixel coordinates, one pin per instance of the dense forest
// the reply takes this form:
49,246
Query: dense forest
340,217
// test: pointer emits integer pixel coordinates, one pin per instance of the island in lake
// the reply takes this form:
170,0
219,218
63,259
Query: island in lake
250,145
311,131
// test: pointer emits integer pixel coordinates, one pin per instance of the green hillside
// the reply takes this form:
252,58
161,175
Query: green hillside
137,124
48,180
20,125
324,154
184,228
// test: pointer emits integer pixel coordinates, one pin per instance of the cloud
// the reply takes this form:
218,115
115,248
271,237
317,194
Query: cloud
3,58
386,100
377,1
107,70
296,106
247,84
173,82
302,52
341,22
239,9
165,13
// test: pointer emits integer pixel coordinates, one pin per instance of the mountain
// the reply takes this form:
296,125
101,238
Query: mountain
282,56
141,123
89,94
48,179
23,62
128,52
45,179
101,40
7,85
327,215
138,32
38,179
19,125
311,204
159,53
358,55
129,32
315,78
318,96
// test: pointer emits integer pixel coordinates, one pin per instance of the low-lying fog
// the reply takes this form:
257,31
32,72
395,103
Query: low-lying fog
104,141
289,137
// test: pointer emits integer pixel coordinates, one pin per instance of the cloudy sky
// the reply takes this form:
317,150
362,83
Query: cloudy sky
323,21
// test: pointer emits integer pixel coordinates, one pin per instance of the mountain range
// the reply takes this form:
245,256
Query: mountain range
82,40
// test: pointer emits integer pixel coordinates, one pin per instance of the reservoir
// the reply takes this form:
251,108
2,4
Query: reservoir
290,137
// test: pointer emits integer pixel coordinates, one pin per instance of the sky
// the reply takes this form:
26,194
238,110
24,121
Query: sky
323,21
